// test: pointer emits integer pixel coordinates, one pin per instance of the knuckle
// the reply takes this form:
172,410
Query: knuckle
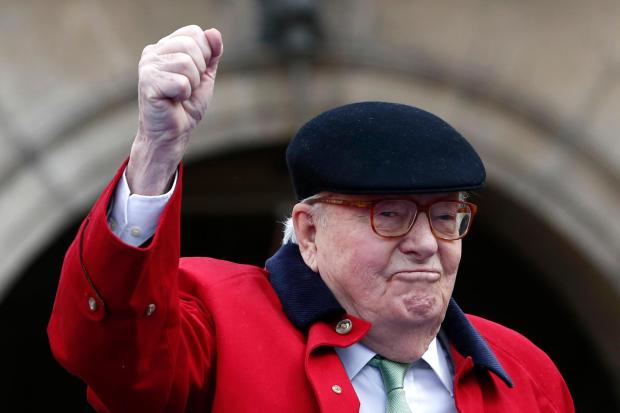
186,43
148,50
146,72
181,83
180,62
185,60
146,59
168,59
162,40
194,29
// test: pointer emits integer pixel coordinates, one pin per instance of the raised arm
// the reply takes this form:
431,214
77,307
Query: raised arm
120,321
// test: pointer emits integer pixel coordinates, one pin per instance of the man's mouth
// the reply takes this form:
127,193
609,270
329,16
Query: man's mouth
418,274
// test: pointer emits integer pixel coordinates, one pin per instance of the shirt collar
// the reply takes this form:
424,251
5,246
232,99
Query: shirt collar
355,357
306,299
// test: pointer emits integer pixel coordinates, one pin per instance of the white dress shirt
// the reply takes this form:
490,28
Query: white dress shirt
428,382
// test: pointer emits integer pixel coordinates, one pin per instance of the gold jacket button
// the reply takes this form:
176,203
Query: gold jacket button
344,326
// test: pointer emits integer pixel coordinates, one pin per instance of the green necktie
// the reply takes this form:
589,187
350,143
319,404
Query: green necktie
393,374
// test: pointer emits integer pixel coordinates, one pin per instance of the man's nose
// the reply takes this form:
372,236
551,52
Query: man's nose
420,240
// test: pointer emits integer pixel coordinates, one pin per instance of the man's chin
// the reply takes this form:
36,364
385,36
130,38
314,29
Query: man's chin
423,312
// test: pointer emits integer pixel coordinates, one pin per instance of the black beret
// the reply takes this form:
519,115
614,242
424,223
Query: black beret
381,148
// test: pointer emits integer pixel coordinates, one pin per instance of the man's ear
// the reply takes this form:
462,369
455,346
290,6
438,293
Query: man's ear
305,232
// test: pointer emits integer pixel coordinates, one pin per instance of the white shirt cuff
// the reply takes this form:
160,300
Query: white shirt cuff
132,217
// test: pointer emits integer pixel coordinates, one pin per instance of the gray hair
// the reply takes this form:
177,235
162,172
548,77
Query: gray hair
289,229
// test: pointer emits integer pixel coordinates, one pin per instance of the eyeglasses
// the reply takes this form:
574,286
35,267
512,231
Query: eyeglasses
392,218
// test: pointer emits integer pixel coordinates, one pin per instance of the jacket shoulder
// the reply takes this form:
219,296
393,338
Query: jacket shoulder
218,281
508,343
528,366
214,271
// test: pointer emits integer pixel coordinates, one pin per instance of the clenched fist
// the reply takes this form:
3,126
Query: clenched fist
176,80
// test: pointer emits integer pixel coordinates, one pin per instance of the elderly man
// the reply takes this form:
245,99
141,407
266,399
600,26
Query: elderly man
353,313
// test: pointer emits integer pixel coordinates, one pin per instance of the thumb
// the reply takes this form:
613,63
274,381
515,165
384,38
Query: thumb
214,37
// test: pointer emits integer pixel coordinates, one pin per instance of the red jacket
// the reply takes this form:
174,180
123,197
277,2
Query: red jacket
151,333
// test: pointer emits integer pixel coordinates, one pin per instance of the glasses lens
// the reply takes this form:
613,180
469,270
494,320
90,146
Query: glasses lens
393,217
450,219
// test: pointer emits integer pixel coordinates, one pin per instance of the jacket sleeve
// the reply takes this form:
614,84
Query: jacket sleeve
121,324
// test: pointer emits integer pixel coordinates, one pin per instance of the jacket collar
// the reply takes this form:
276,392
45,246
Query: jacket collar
306,299
469,342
